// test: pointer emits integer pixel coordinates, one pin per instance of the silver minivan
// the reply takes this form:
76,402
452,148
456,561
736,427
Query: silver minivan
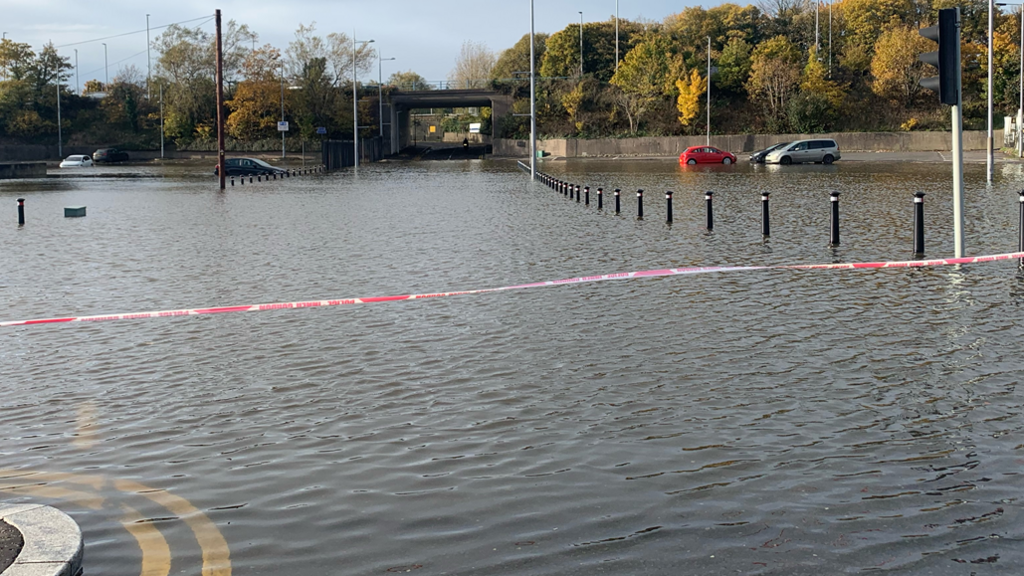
824,150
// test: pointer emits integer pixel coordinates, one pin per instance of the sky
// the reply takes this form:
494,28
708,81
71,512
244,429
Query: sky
422,36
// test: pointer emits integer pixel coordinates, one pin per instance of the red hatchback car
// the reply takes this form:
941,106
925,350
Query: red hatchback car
706,155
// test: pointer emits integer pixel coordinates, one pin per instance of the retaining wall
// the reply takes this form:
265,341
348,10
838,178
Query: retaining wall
675,145
10,170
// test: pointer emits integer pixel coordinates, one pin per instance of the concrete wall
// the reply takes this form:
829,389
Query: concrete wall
22,170
473,138
674,146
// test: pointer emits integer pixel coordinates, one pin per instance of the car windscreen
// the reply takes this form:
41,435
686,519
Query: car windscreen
261,163
778,146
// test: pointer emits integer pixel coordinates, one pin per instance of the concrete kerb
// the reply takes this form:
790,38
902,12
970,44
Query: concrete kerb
53,541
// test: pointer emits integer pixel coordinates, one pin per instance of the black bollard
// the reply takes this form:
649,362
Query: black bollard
259,178
287,173
617,200
1020,245
250,179
640,204
586,192
577,193
275,175
242,180
600,198
918,222
668,202
232,181
711,210
765,228
21,211
834,240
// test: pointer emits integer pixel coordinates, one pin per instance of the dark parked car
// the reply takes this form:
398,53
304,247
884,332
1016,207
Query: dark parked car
758,157
109,155
248,167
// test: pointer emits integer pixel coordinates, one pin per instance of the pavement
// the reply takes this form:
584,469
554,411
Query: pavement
37,540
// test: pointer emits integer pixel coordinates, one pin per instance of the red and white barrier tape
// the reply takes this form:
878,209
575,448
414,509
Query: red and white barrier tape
580,280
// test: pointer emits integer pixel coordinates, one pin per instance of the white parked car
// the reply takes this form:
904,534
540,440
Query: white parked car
76,161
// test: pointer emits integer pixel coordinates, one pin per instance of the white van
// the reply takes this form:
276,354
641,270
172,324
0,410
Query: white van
824,151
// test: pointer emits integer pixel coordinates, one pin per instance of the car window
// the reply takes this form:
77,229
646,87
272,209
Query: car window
799,146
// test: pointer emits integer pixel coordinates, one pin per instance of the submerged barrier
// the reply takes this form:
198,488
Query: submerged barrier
565,281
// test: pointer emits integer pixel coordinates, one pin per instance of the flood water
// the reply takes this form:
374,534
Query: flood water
760,422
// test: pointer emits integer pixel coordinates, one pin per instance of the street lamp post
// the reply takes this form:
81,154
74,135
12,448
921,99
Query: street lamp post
616,35
708,139
380,95
990,159
1020,89
149,64
282,113
581,44
533,102
355,103
106,68
78,85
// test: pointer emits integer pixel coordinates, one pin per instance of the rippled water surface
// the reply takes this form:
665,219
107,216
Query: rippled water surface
765,422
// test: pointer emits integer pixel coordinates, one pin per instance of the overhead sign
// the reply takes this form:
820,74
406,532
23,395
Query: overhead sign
321,130
474,128
282,126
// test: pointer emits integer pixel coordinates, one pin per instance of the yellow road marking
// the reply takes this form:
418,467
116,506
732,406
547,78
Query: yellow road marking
156,554
216,555
43,491
85,427
94,480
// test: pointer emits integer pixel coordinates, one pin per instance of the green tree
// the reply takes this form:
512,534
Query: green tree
515,60
562,54
408,80
256,105
733,66
643,78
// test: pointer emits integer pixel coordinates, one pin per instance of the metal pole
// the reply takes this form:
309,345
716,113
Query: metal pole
380,98
355,108
710,210
616,35
106,68
817,3
149,64
78,83
60,137
708,140
282,113
990,158
834,236
958,157
919,223
765,225
533,101
1020,90
830,39
581,44
220,103
161,120
1020,243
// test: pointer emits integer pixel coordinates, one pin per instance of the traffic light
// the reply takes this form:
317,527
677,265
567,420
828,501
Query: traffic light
947,59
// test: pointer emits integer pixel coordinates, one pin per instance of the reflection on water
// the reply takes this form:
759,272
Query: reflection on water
772,422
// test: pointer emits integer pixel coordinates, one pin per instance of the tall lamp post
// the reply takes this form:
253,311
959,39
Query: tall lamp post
106,69
380,95
78,84
1020,90
708,139
355,103
533,102
616,35
282,112
581,44
990,156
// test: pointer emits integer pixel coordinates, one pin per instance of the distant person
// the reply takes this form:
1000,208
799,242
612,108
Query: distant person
465,143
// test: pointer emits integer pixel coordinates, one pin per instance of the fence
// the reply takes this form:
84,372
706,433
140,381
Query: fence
338,154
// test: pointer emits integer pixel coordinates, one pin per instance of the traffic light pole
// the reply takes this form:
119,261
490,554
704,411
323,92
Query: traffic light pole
958,180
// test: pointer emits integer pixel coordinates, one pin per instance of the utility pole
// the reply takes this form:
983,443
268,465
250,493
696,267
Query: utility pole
149,64
533,99
162,120
60,137
616,34
282,113
220,103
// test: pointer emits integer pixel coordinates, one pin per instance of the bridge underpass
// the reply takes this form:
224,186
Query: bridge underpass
402,103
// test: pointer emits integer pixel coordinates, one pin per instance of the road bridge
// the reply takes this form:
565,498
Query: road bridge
402,102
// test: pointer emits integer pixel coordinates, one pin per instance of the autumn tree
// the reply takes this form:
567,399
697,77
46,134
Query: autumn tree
336,50
472,67
895,66
642,78
562,53
688,101
733,66
256,106
774,75
572,101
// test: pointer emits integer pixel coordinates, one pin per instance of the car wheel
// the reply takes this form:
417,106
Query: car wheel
785,160
691,161
828,159
726,160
